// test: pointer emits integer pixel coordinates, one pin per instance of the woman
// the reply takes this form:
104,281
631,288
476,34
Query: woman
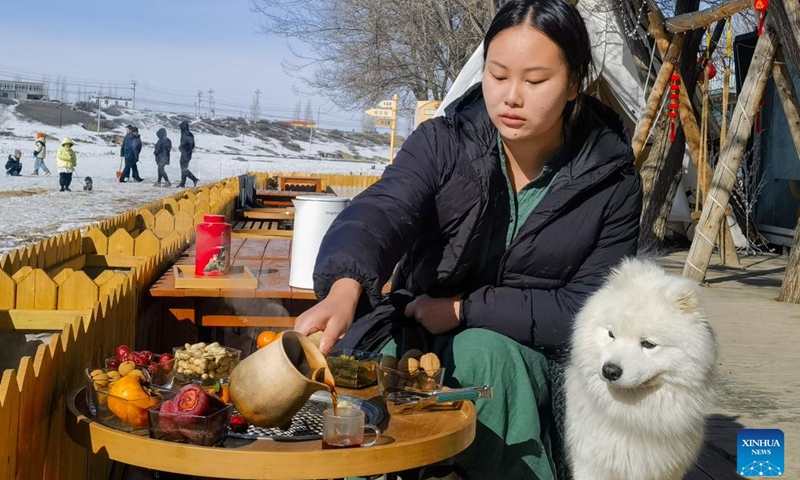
504,215
66,163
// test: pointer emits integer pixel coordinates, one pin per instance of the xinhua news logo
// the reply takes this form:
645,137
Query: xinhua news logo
759,453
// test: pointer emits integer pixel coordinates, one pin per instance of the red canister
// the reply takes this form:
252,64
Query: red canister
213,256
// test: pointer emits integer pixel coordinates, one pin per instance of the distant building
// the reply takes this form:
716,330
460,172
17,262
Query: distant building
108,101
302,124
22,90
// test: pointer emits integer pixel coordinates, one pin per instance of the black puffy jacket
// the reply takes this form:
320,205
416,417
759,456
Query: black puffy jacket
433,212
162,148
186,145
131,147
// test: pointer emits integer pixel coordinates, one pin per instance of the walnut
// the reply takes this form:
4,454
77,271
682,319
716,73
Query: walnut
430,363
413,366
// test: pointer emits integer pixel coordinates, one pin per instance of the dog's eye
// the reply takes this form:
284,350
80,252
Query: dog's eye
648,344
611,334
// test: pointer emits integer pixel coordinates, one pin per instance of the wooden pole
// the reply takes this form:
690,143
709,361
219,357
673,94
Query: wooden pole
701,18
790,289
654,100
788,95
692,134
730,158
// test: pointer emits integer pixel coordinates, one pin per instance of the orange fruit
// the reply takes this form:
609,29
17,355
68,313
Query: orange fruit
265,338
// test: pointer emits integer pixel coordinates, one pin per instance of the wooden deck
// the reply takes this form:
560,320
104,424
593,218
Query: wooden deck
759,366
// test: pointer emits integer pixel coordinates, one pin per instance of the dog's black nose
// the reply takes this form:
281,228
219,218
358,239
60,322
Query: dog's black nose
612,372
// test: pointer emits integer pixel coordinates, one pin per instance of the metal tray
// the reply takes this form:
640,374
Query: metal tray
307,423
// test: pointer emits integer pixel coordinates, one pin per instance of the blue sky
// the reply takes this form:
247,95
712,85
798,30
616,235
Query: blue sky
171,48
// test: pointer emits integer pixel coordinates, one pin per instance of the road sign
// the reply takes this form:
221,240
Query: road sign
380,113
386,104
425,110
383,122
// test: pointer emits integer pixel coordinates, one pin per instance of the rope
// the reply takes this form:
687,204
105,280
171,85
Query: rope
726,80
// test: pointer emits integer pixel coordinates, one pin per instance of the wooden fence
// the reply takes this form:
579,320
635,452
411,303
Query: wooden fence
86,286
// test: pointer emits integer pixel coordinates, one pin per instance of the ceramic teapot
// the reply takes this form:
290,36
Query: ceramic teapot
272,384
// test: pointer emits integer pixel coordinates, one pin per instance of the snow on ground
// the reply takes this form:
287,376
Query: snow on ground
32,208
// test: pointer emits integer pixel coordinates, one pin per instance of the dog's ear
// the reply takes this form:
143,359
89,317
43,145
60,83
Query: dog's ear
686,297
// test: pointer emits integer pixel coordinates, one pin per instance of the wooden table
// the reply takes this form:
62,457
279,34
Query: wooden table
268,259
280,198
408,441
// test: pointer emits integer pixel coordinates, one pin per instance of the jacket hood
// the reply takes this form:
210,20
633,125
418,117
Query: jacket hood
600,135
184,125
161,133
67,140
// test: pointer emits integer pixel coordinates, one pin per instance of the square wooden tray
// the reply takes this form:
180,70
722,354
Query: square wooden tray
240,278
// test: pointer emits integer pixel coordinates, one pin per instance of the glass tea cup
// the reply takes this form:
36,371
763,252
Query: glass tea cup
345,429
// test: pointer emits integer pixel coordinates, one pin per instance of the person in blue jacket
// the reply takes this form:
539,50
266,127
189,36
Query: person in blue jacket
130,150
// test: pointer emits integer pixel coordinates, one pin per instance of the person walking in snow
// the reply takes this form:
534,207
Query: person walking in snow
161,151
13,165
67,161
39,152
186,147
131,147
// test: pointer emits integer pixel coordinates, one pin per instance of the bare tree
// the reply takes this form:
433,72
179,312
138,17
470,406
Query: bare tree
359,51
63,92
297,108
309,116
367,124
255,108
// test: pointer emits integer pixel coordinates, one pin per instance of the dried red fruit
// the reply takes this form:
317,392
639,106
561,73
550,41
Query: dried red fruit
238,424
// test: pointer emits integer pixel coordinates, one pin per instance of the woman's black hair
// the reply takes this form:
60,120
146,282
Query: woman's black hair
563,24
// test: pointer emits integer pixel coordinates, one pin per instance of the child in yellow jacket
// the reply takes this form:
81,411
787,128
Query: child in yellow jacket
67,161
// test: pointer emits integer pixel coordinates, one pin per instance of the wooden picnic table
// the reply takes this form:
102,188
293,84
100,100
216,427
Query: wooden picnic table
268,259
407,441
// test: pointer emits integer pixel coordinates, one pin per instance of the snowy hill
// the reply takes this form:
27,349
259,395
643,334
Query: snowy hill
32,208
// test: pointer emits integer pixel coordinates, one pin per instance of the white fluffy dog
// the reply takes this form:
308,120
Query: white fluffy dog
639,378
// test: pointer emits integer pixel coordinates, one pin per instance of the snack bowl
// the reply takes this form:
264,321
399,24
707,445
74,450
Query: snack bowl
161,373
354,368
205,364
204,430
128,413
389,378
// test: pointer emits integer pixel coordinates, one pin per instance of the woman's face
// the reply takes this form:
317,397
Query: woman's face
526,84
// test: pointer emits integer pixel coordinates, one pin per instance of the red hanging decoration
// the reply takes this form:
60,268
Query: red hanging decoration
674,96
709,68
758,117
761,7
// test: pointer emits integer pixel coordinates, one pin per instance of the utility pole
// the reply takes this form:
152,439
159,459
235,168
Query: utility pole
98,113
211,103
133,104
199,102
394,128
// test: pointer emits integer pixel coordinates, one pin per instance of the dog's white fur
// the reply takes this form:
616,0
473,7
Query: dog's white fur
648,424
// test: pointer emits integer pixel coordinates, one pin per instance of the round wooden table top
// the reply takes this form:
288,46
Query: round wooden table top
407,441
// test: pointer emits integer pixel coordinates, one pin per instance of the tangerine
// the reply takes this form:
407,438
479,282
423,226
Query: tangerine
265,338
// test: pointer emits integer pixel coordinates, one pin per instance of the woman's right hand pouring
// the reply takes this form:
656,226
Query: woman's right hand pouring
333,316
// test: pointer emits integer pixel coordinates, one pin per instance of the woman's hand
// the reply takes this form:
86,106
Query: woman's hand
436,315
332,316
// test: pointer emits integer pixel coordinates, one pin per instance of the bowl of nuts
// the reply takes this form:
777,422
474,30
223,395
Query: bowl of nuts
205,363
414,370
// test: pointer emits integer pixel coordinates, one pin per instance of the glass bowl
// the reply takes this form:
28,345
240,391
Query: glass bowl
206,368
162,374
354,368
118,412
204,430
420,380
